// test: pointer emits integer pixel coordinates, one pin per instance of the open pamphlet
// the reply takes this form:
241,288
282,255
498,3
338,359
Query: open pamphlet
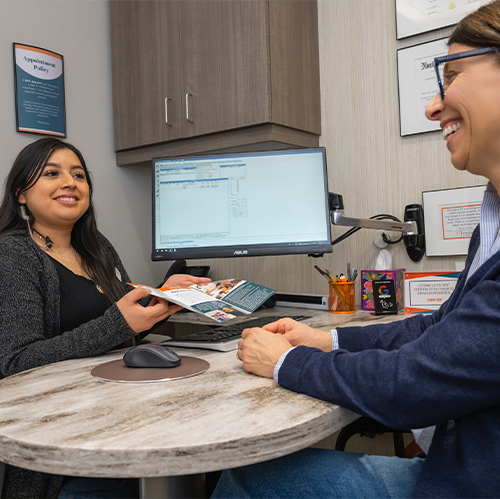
219,300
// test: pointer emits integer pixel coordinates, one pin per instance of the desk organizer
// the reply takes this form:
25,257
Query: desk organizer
367,276
342,297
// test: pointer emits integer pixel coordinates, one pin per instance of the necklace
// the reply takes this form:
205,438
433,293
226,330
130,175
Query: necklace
49,246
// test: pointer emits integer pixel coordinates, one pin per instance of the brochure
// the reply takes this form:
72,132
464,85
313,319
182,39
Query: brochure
219,300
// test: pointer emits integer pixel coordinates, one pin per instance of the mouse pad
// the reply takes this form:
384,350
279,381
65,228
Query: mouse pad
116,370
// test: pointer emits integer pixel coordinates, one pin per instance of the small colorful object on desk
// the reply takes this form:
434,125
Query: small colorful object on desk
367,276
385,297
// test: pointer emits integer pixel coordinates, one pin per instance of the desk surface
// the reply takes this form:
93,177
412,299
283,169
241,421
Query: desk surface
321,319
60,419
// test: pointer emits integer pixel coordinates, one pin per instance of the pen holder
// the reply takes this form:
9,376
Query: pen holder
342,297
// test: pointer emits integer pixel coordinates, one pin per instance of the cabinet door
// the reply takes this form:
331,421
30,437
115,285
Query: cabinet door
294,55
224,62
146,80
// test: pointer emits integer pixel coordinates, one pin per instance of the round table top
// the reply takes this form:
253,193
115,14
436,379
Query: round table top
60,419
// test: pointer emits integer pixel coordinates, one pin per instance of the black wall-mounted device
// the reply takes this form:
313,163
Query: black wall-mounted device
415,243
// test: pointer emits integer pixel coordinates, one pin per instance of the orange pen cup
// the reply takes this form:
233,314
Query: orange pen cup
342,297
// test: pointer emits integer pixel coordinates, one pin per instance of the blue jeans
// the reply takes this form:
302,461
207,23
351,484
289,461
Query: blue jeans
322,473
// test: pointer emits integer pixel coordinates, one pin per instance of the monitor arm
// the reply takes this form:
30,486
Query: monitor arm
412,228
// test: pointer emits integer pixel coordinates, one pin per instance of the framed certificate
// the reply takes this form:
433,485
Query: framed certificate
418,85
39,91
451,215
418,16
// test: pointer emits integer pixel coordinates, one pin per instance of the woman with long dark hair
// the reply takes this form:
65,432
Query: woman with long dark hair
63,288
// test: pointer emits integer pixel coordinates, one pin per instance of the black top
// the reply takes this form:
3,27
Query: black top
80,300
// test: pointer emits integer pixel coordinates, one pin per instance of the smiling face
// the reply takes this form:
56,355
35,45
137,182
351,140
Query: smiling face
61,195
470,113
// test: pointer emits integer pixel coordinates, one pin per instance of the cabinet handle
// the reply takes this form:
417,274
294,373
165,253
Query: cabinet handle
166,111
187,107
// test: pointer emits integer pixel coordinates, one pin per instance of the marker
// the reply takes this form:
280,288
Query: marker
323,273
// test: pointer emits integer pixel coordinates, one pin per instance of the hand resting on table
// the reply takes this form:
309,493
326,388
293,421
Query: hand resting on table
261,348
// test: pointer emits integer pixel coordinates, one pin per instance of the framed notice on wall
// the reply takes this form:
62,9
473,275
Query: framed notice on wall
39,84
418,16
451,215
418,85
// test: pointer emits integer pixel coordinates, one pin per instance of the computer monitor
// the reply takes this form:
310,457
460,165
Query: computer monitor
241,204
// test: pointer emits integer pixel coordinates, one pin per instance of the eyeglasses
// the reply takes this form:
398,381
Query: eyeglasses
454,57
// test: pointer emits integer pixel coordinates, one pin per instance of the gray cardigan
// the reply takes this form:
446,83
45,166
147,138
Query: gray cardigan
30,337
29,312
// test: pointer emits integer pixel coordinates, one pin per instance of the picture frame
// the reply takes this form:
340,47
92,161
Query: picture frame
419,16
417,85
39,90
450,217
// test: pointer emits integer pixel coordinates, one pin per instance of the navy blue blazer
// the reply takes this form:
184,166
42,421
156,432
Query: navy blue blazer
441,369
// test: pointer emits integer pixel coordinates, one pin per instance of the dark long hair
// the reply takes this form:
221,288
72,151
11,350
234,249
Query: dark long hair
85,238
479,29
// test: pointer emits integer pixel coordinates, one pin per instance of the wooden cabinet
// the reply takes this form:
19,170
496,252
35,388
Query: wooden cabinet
201,75
145,60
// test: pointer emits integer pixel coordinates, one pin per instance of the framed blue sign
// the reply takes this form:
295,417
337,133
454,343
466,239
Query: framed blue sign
39,84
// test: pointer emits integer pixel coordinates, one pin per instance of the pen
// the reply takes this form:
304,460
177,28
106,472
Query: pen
330,275
323,273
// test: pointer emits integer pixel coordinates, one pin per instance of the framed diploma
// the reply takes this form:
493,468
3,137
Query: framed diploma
419,16
418,85
451,215
39,91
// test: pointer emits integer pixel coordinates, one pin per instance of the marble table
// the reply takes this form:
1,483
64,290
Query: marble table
60,419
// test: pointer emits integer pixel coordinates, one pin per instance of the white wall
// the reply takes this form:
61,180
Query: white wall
79,30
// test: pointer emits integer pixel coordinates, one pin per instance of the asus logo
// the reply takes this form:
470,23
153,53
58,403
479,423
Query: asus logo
244,252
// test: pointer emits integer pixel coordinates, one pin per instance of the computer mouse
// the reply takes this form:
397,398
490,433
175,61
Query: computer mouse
150,355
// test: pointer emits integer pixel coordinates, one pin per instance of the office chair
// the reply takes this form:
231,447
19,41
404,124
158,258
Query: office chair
368,427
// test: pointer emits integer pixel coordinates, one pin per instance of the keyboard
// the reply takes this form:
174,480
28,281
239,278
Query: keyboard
225,338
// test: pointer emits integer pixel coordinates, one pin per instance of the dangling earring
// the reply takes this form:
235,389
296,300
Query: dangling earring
25,216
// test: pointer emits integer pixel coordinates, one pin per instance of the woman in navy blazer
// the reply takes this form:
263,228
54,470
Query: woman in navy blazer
441,369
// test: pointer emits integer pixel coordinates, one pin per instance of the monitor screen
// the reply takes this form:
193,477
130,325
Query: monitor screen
244,204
